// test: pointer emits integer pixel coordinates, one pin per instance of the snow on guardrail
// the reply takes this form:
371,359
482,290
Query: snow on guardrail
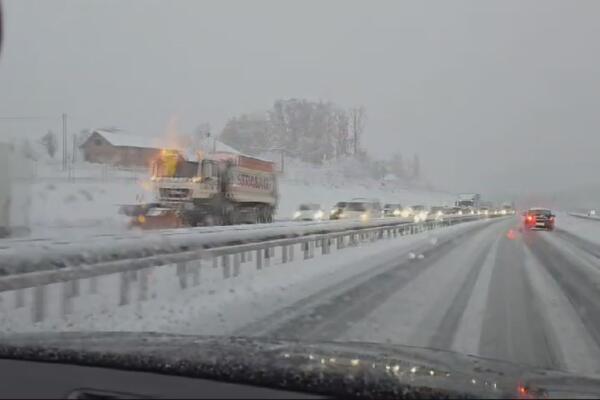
23,256
56,294
584,216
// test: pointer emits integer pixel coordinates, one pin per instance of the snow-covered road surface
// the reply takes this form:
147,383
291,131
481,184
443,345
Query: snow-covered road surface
486,288
496,291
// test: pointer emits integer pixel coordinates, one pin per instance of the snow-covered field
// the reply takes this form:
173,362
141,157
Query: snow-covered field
70,207
90,199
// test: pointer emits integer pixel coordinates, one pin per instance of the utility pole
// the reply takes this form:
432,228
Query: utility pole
74,154
64,141
355,131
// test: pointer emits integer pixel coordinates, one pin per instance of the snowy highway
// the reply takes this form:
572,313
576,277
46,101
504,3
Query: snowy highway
493,290
486,287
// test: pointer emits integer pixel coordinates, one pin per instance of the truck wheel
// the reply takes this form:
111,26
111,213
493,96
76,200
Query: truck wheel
211,220
259,215
234,217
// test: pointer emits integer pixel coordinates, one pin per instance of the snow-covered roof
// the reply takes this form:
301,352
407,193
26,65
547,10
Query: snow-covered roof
124,139
224,148
207,145
211,145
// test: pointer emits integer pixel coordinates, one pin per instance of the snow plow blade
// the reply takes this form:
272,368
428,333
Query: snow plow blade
134,210
157,218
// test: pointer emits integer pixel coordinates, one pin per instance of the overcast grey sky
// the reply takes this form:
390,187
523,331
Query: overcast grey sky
493,95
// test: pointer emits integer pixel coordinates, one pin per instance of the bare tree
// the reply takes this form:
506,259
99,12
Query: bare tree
416,167
397,165
341,133
248,133
358,116
50,143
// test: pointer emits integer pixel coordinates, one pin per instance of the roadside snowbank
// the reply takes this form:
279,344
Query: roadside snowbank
89,201
587,229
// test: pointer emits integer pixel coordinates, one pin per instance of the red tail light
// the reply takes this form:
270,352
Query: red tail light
529,218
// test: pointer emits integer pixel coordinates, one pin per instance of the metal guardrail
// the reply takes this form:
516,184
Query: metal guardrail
584,216
29,257
229,257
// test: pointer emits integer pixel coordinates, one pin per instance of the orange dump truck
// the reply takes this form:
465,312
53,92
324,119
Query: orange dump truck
224,189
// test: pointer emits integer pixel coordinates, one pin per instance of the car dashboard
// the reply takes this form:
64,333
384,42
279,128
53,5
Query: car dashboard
29,380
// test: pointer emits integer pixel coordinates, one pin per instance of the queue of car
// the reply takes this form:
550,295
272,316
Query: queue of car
309,212
365,209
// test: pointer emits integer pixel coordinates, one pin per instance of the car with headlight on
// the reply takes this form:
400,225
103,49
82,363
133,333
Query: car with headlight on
539,218
484,211
393,210
454,211
363,210
419,212
309,212
468,211
438,212
337,209
507,209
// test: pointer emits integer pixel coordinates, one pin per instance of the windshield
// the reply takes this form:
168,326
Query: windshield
175,169
540,212
218,169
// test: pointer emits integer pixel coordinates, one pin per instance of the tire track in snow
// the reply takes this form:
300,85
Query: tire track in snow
468,334
329,316
579,353
514,327
592,249
447,330
579,282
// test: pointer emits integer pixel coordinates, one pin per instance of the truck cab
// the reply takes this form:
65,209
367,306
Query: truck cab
178,181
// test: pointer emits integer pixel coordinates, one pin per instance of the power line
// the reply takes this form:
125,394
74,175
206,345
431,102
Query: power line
26,118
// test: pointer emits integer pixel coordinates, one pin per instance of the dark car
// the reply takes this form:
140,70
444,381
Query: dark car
539,218
337,210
